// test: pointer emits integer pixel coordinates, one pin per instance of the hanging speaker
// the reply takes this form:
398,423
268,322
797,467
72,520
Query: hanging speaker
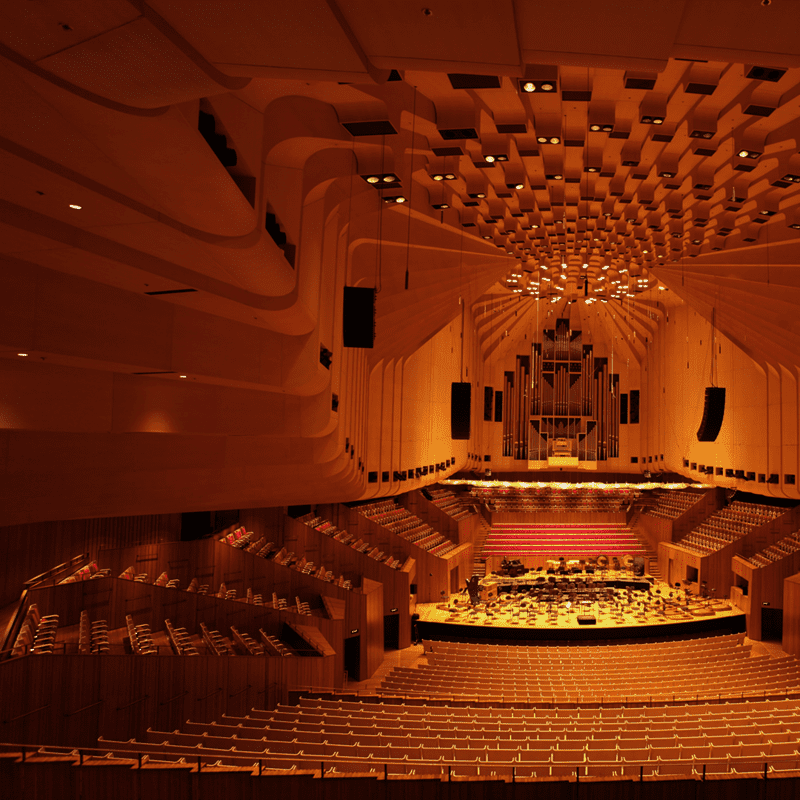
713,412
460,410
358,317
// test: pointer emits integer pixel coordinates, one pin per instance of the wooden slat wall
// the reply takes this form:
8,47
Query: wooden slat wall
119,697
791,615
372,647
29,550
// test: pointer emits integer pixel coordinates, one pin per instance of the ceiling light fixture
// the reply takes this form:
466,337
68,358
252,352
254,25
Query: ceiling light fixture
75,206
22,355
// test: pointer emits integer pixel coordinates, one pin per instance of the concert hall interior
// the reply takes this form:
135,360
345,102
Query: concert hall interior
399,398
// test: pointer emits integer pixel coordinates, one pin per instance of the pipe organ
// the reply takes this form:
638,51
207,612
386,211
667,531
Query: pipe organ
561,401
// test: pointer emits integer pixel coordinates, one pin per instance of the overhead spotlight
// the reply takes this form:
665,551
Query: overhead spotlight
548,87
665,174
791,178
22,355
182,376
528,86
449,176
489,159
541,139
519,186
486,236
555,140
594,127
440,206
748,154
396,199
378,179
591,169
75,206
438,177
765,212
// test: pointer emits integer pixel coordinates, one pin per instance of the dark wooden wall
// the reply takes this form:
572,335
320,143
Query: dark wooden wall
29,550
74,699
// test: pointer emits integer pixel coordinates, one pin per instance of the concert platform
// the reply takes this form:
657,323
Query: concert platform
518,617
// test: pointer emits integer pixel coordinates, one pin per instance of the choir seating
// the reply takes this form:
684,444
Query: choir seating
576,540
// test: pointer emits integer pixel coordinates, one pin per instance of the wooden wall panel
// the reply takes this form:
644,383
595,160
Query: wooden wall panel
72,699
29,550
791,615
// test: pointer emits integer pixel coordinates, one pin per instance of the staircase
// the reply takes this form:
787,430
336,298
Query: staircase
650,556
478,564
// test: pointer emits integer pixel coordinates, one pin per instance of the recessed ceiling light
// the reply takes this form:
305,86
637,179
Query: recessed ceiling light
75,206
594,127
182,376
547,87
449,176
529,87
438,177
373,179
22,355
489,159
519,186
554,140
481,195
389,178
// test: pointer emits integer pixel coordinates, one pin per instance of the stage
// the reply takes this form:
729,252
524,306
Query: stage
649,613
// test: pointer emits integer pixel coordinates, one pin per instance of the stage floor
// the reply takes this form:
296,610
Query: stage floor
507,619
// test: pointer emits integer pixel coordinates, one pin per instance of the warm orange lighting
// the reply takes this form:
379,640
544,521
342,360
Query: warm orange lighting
76,207
22,355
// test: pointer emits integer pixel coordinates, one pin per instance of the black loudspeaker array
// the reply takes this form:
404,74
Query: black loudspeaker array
460,410
488,397
358,317
713,412
498,406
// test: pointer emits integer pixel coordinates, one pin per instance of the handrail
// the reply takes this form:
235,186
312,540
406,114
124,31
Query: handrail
31,582
699,767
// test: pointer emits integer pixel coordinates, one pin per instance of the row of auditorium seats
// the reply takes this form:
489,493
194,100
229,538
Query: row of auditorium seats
246,541
86,573
666,740
92,636
451,503
388,514
784,548
716,667
673,503
351,540
37,634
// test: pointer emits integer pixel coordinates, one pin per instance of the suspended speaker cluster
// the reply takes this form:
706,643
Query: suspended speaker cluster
713,412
